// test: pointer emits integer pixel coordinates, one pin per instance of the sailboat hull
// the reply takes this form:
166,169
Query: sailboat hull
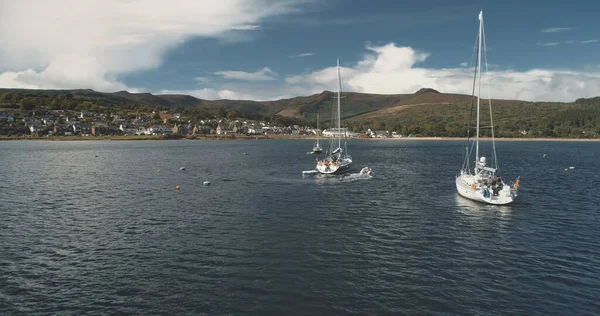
467,187
334,168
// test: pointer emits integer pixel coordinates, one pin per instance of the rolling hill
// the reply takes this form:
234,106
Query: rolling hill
426,112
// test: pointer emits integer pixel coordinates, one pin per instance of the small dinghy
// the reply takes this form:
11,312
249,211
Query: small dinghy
365,171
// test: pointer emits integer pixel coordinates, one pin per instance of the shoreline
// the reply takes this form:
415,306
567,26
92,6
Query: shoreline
276,137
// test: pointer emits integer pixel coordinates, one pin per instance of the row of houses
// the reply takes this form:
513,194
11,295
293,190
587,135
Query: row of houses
60,122
253,130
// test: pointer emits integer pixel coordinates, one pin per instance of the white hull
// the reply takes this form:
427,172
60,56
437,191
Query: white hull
334,168
467,186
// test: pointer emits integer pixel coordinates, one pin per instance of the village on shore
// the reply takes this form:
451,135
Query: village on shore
66,123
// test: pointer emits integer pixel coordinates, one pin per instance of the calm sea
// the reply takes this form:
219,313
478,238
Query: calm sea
92,228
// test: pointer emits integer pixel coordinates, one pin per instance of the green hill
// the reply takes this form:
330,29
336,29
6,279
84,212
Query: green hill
426,112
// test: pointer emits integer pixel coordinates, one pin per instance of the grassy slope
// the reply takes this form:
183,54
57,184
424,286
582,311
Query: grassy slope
423,108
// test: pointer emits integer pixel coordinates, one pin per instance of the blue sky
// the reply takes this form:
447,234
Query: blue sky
252,49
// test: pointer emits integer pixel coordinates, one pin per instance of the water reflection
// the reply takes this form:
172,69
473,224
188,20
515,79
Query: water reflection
472,208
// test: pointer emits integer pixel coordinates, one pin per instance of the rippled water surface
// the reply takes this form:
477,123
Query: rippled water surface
93,228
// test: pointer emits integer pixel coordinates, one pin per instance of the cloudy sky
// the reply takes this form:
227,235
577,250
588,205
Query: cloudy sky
269,49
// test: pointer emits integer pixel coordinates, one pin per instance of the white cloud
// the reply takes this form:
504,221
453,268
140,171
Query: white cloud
91,43
590,41
548,44
246,27
556,29
302,55
201,79
264,74
464,64
66,71
390,70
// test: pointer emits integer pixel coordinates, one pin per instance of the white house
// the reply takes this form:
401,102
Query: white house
336,132
222,131
396,135
158,130
377,134
34,128
128,130
255,131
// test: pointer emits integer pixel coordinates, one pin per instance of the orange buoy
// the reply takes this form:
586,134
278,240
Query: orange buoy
176,187
158,170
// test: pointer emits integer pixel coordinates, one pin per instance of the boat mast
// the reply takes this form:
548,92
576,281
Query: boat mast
338,105
478,89
317,128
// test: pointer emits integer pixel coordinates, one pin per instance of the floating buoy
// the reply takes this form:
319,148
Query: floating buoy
206,183
566,169
177,187
571,168
158,170
182,168
245,154
229,154
544,156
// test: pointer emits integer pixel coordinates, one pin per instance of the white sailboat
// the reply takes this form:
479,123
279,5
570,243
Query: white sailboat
337,159
317,148
483,184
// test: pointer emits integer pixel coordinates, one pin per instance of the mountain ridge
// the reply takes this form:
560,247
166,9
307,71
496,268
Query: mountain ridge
425,112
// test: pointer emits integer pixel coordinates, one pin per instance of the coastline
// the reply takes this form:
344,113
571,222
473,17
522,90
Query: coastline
275,137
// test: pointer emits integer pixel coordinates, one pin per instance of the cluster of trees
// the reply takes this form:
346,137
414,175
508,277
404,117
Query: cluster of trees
28,102
518,119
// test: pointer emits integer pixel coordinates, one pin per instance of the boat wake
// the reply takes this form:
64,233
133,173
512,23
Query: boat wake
356,176
364,174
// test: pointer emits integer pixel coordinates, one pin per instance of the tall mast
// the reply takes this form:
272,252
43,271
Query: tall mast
478,88
338,105
317,128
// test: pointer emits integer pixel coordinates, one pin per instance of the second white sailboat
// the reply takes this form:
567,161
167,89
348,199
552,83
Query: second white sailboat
337,159
483,184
